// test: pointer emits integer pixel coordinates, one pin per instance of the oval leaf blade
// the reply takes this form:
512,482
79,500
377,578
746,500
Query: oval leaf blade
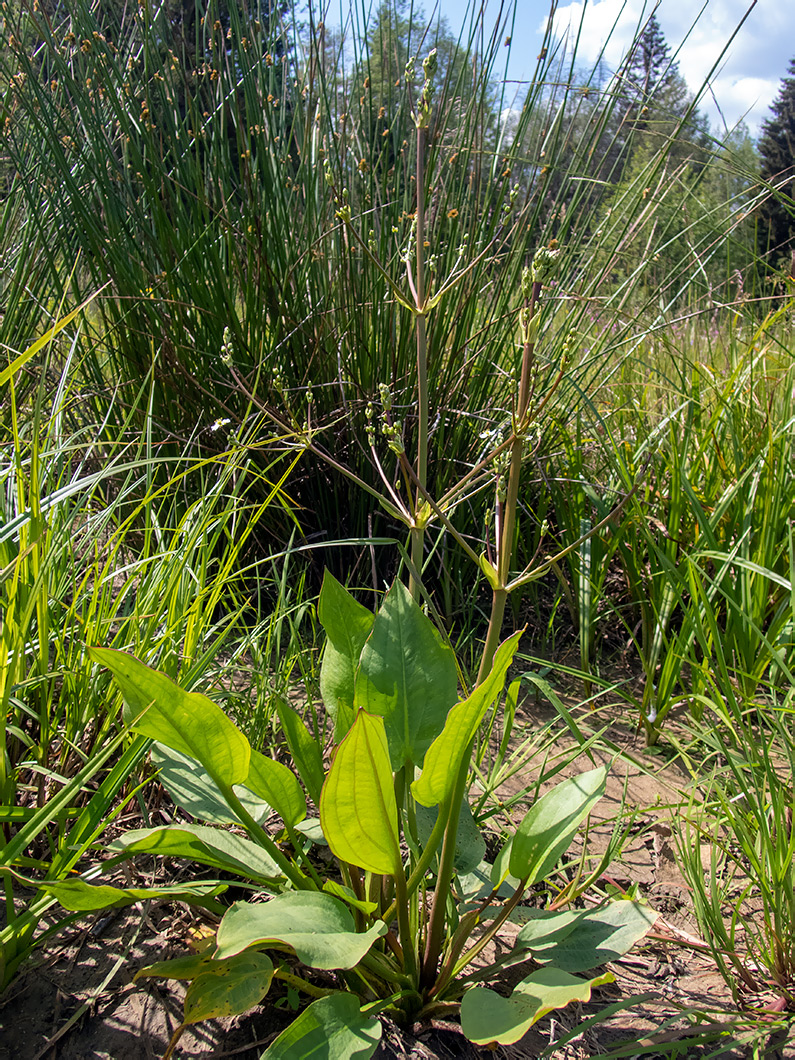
278,786
187,722
332,1028
552,822
589,939
358,811
407,675
195,792
318,927
443,757
304,750
82,897
228,987
209,846
489,1017
347,625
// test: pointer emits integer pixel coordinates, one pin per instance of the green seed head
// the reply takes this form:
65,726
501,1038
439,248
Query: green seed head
545,263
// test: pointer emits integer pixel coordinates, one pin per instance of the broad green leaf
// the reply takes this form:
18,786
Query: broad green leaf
194,791
306,754
347,625
276,784
408,676
81,897
188,722
358,811
332,1028
545,930
209,846
228,988
551,823
591,939
318,927
477,885
470,846
187,967
445,754
488,1017
500,871
312,829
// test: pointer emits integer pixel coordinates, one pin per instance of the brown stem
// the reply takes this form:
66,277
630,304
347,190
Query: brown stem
418,532
505,547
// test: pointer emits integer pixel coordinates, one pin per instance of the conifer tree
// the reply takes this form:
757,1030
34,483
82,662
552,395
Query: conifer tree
650,111
777,150
648,64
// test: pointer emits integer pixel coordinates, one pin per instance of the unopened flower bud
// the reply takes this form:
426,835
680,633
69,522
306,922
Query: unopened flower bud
545,262
430,64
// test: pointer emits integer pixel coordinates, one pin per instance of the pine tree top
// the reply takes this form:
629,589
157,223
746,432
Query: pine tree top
648,65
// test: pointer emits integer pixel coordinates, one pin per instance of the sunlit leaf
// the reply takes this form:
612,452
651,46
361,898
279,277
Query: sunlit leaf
188,722
304,750
578,941
318,927
407,675
347,625
187,967
82,897
358,811
550,825
444,756
488,1017
332,1028
275,783
229,987
215,847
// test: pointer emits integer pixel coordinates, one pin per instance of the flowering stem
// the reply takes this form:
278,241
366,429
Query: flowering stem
418,530
505,547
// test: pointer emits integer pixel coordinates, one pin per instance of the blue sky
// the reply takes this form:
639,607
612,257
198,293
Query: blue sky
742,88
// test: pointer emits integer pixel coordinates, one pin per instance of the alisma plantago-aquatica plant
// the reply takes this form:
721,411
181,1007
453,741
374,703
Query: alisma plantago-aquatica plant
409,903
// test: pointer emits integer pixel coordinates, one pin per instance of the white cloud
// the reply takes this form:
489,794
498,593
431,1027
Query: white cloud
748,75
